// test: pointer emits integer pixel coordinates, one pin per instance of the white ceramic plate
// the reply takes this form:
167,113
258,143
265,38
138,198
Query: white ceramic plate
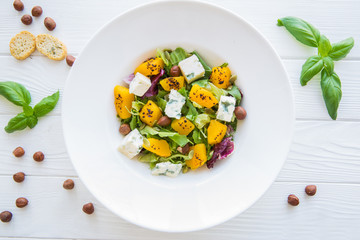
202,198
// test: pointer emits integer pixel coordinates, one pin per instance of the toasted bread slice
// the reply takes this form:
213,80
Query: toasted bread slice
51,47
22,45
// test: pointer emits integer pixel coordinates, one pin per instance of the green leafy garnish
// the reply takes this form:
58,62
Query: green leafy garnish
203,63
330,82
181,140
20,96
235,92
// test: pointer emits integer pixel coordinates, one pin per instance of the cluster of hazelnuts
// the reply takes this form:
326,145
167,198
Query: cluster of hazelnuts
19,177
36,12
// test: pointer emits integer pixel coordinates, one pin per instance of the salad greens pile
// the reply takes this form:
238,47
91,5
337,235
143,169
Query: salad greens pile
183,146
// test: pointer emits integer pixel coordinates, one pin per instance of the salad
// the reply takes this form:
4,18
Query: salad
178,113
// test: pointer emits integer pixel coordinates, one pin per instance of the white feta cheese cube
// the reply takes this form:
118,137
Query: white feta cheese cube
191,68
226,108
139,85
132,144
167,169
174,105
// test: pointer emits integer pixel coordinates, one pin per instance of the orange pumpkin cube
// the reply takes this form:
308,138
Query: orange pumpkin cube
202,96
216,132
199,157
123,101
150,113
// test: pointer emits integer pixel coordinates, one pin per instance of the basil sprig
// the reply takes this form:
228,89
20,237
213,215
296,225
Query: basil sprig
20,96
330,82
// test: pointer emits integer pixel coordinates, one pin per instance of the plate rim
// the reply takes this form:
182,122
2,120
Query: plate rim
206,4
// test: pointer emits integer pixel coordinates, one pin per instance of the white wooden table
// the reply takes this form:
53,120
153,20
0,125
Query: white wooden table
324,152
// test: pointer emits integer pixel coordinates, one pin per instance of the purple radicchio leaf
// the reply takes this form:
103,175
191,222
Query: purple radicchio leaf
153,90
221,150
129,78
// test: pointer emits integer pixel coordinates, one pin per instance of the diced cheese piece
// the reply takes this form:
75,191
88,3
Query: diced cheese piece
167,168
226,108
191,68
139,85
174,105
132,144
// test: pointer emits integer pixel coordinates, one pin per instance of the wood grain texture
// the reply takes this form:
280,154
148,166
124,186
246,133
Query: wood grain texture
53,212
336,19
321,151
43,76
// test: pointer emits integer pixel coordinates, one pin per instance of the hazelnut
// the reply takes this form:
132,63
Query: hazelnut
68,184
293,200
185,149
21,202
49,23
70,60
38,156
240,113
310,190
164,121
19,152
26,19
5,216
18,5
88,208
124,129
19,177
175,71
36,11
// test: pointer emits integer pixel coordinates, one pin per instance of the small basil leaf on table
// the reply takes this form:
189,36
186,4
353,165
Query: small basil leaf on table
303,31
46,105
311,67
340,49
331,90
328,64
31,121
15,93
28,110
324,46
19,122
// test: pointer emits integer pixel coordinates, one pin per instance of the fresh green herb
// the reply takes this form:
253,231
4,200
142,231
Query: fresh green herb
303,31
203,63
20,96
331,89
178,157
192,113
224,65
196,136
181,140
15,93
201,120
330,82
177,56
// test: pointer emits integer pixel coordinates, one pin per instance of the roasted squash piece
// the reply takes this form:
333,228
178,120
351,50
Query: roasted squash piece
175,83
150,113
220,77
202,96
150,67
183,126
159,147
123,101
216,132
199,157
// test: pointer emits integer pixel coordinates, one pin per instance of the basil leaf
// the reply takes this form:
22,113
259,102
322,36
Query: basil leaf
206,67
46,105
303,31
19,122
32,121
311,67
235,92
331,90
28,110
177,56
15,93
341,49
328,64
324,46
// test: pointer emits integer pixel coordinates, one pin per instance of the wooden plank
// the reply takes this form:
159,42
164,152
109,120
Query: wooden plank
43,77
56,213
321,151
76,29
